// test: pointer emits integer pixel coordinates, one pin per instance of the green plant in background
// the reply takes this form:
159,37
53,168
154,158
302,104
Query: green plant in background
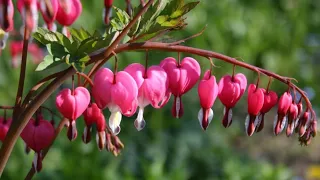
167,148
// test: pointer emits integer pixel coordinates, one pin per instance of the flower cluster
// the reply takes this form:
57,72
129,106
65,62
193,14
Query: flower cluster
137,86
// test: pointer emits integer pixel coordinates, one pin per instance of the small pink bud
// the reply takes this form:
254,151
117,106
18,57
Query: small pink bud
292,118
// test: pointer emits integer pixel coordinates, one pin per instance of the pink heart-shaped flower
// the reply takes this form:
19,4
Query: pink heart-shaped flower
182,77
118,92
70,105
153,88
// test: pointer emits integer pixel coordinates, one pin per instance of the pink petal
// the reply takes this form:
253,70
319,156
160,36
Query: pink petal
101,89
124,92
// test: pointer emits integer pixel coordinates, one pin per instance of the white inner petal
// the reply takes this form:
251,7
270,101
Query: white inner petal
258,120
284,123
210,115
246,124
85,133
177,106
140,123
35,161
114,122
200,116
275,123
296,122
229,116
291,128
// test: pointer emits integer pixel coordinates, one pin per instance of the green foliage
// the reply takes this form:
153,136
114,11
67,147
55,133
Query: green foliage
74,51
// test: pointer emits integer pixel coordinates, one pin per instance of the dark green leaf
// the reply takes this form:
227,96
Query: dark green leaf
57,50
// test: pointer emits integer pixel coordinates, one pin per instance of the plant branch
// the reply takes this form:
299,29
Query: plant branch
21,121
45,151
22,71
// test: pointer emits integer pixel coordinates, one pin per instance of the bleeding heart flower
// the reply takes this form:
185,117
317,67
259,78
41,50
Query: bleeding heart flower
208,92
292,118
231,89
49,10
303,122
101,132
29,12
90,115
153,88
116,91
4,127
270,100
182,77
16,48
71,104
107,11
94,115
68,13
38,135
285,102
255,104
6,17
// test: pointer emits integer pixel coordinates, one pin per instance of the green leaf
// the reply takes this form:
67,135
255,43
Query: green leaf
48,62
184,10
57,50
79,34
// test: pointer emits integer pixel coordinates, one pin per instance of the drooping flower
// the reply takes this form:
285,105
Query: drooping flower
182,77
49,10
255,104
16,49
38,135
29,12
4,127
94,115
303,123
6,17
71,104
269,101
90,116
284,104
231,89
107,11
153,88
292,118
101,133
68,13
116,91
208,92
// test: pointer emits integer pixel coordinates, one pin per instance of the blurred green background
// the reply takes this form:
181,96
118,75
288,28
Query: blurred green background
279,35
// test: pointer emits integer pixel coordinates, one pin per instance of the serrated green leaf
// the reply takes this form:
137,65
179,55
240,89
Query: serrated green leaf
48,62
